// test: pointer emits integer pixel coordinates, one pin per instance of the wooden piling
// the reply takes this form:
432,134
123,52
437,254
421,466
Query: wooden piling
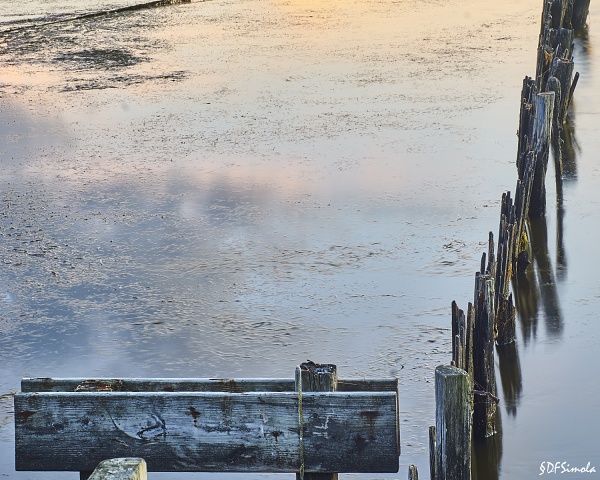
459,331
561,76
526,119
544,108
483,357
312,377
470,341
504,312
506,321
545,101
432,453
558,11
453,423
413,474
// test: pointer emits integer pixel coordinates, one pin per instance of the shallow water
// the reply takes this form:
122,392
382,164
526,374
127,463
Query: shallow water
229,188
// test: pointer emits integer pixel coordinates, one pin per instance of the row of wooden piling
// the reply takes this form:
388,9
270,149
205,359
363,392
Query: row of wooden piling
466,398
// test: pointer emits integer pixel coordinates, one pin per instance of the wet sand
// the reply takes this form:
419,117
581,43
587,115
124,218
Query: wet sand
229,188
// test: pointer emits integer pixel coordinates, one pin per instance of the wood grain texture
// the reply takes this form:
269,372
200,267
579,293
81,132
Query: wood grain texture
185,431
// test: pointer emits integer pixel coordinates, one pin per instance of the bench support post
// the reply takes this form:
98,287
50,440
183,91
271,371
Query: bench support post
311,377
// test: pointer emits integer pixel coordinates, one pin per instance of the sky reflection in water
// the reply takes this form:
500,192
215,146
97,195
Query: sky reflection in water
230,188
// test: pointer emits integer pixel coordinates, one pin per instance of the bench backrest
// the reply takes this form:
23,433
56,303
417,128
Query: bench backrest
198,425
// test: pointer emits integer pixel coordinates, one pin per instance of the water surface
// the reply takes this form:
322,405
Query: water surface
230,188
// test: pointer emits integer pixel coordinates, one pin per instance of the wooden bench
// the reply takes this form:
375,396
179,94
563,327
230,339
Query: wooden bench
210,425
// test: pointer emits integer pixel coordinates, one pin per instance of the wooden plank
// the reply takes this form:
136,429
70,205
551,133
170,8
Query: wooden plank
120,469
343,432
230,385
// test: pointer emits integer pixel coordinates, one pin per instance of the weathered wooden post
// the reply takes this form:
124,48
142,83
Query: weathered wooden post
545,52
459,331
526,119
558,11
312,377
413,473
483,357
432,453
462,338
120,469
507,239
453,423
544,108
559,82
503,303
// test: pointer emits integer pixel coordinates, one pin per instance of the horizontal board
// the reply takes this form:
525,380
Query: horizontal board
186,431
230,385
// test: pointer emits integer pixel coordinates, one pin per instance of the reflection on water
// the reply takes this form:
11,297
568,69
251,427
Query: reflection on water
538,295
537,292
487,454
511,378
233,187
569,146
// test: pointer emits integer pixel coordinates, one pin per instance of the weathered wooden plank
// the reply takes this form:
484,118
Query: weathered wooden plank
343,432
129,468
230,385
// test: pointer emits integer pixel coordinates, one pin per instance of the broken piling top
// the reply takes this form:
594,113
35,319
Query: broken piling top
314,377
